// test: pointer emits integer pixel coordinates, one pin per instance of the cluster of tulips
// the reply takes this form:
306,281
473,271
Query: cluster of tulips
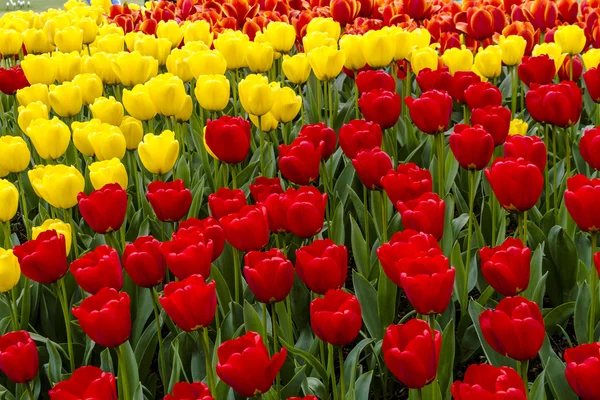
173,198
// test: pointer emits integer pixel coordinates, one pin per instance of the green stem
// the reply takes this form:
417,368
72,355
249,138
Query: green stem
568,151
236,274
133,167
29,390
420,394
342,377
265,328
70,221
522,367
524,239
232,168
366,222
11,310
123,378
465,293
515,85
234,90
441,160
262,145
61,292
555,177
208,359
546,169
24,205
356,96
330,96
332,371
594,289
25,310
161,356
7,234
275,344
384,220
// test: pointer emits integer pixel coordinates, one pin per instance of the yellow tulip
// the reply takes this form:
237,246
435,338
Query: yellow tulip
66,99
351,45
39,68
133,130
133,68
212,92
404,42
260,57
488,62
10,270
287,105
553,50
315,40
256,95
378,48
108,110
101,65
10,42
81,134
178,64
104,4
9,198
89,28
54,24
195,47
108,142
14,154
198,31
571,38
518,127
513,49
58,184
296,68
186,111
110,171
425,57
133,37
36,41
68,65
326,62
325,25
458,59
91,87
152,47
159,153
33,93
281,35
50,138
32,111
591,58
167,93
54,225
207,62
233,45
108,29
420,38
138,103
268,123
171,31
69,39
112,43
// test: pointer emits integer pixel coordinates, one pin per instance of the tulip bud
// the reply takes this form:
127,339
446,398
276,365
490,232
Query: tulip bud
207,62
212,92
171,31
50,138
352,47
425,57
112,43
133,130
296,68
14,154
69,39
86,381
378,48
138,103
336,318
191,290
98,269
458,59
324,25
168,94
256,95
260,57
571,39
67,65
91,87
488,62
582,368
518,127
9,198
158,153
10,271
66,99
19,357
502,380
39,69
31,112
198,31
36,41
33,93
326,62
43,259
281,35
286,105
513,49
109,171
59,185
133,68
178,64
233,45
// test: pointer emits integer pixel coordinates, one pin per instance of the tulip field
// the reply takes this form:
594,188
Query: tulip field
300,199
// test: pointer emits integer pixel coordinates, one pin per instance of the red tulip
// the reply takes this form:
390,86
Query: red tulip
405,244
144,261
531,148
589,146
104,209
322,265
581,199
299,162
506,267
169,200
523,29
358,135
461,82
411,352
481,22
424,214
495,120
226,201
211,230
517,183
12,79
247,230
565,73
18,357
43,260
263,187
87,382
419,9
440,79
556,104
375,79
428,285
336,318
539,69
380,106
344,11
189,391
98,269
484,381
301,211
592,83
178,296
406,183
317,133
515,328
472,146
244,364
482,94
228,138
449,40
431,112
568,10
269,274
371,166
105,317
188,253
583,367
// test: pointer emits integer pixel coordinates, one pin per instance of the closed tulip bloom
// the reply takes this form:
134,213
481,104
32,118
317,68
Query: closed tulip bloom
317,133
228,138
144,261
9,198
424,214
188,253
266,123
495,120
168,94
39,69
359,135
352,47
59,185
326,62
589,146
212,92
487,381
192,290
458,59
68,65
89,29
553,50
86,382
472,146
371,166
169,200
269,274
59,227
104,210
178,64
133,130
431,277
43,259
406,247
461,81
431,112
482,94
336,318
66,99
518,127
138,103
233,45
133,68
380,106
568,72
91,87
592,83
517,183
185,390
259,57
411,351
50,138
109,171
514,329
153,47
263,187
324,25
10,271
256,95
375,79
18,357
69,39
101,65
98,269
583,364
315,40
440,79
571,39
378,48
286,104
296,68
512,48
158,153
108,110
531,148
207,62
425,57
33,93
226,201
171,31
12,80
506,267
591,58
540,70
322,265
244,364
556,104
210,228
281,35
112,43
198,31
582,193
406,183
303,210
300,161
488,62
185,113
248,229
36,41
105,141
14,154
96,315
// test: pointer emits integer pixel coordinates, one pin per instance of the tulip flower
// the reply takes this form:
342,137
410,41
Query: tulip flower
458,59
461,81
515,328
286,105
336,318
375,79
381,107
472,146
256,95
39,69
530,148
408,244
579,196
91,87
248,229
480,23
96,315
18,357
589,145
185,390
144,261
36,41
571,69
228,138
592,83
263,187
9,198
178,64
110,171
69,39
169,200
108,110
207,62
425,57
259,57
411,352
326,62
371,166
425,214
518,127
212,92
43,259
488,62
191,290
10,42
98,269
158,153
570,38
300,161
210,228
50,138
33,93
540,70
233,45
359,135
168,94
378,48
269,274
352,47
553,50
56,225
66,99
506,267
104,209
417,279
517,183
440,79
513,49
317,133
482,94
322,265
225,202
583,364
281,35
556,104
495,120
296,68
188,253
489,381
133,131
68,65
406,183
591,58
431,112
10,271
12,80
59,185
138,103
86,382
301,211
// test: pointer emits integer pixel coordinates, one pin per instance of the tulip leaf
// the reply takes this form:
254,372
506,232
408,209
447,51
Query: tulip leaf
386,300
306,356
581,313
367,297
456,260
363,384
145,350
315,387
451,170
554,370
176,366
359,248
540,289
54,363
446,360
536,271
558,316
197,197
538,391
338,231
292,388
89,349
144,309
128,369
448,238
251,320
343,182
223,291
352,360
106,362
564,256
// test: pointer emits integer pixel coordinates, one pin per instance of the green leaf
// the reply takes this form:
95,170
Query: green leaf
497,360
359,248
367,297
459,281
106,363
306,356
252,322
386,299
446,361
581,313
343,181
558,316
54,363
540,289
176,366
223,291
197,196
536,271
129,372
554,370
292,388
448,238
351,362
363,384
145,350
338,233
538,391
564,256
